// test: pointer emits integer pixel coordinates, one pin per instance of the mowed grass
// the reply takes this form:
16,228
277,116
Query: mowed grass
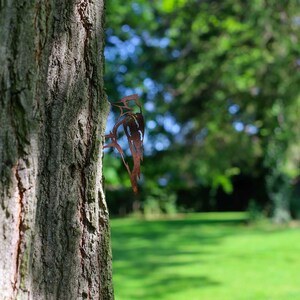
213,256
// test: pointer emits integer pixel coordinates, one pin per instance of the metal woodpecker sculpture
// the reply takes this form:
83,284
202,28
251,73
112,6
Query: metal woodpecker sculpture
133,125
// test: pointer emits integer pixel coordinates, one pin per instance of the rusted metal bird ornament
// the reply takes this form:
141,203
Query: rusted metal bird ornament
133,125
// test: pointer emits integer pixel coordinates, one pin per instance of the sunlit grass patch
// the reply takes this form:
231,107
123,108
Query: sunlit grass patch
205,256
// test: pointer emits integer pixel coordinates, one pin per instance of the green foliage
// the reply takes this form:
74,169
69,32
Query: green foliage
204,256
255,211
159,202
295,203
227,73
114,175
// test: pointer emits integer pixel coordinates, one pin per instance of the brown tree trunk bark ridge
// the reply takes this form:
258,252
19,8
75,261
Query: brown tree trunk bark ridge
54,229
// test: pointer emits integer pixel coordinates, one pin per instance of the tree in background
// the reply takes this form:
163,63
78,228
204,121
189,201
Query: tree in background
220,80
54,233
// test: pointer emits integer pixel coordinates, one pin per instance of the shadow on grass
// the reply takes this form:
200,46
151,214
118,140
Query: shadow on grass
172,284
166,256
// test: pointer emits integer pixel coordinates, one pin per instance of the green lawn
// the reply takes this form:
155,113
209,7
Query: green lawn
205,257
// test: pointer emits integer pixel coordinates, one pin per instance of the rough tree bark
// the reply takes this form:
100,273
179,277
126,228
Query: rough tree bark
54,230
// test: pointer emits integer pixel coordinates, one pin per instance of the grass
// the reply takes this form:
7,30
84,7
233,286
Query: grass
212,256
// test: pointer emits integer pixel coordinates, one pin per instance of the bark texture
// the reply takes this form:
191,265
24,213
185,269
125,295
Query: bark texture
54,229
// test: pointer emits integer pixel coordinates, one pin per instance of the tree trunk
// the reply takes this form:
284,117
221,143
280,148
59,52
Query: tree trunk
54,230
